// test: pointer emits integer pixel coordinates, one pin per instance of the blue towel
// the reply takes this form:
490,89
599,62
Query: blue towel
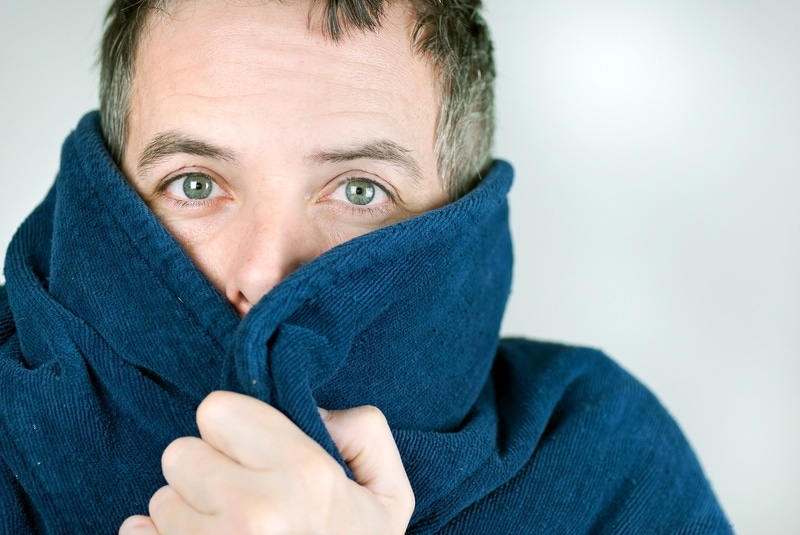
111,337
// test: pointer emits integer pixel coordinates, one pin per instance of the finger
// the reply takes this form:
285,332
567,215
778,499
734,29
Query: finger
172,515
367,446
138,525
249,431
202,476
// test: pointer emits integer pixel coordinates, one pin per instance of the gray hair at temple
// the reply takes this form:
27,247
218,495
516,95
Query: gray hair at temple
450,33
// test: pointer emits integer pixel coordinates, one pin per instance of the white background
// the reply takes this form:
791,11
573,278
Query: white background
655,213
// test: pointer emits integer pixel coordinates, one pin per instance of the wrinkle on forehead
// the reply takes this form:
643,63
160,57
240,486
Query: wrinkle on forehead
390,49
208,52
323,18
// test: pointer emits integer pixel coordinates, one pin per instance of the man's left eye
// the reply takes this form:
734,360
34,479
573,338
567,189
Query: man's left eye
197,187
360,192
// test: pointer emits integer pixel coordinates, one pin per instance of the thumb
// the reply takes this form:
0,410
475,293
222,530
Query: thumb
365,441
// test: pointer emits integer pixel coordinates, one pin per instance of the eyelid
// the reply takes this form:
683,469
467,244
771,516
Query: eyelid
365,177
171,178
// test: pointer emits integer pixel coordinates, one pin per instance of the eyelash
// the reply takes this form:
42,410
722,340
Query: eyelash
186,204
357,210
371,211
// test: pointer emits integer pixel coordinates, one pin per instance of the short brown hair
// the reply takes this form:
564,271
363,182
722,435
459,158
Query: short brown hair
450,33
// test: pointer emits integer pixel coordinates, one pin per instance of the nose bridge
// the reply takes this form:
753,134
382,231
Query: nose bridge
266,251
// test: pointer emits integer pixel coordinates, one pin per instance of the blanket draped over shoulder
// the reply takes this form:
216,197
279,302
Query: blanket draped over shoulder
111,337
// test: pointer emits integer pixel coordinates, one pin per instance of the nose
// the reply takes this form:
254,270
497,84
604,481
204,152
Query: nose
267,244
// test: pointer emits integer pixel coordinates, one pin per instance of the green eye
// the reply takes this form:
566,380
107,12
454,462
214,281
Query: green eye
359,191
197,187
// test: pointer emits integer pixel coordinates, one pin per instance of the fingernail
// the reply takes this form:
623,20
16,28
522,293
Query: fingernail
136,524
324,414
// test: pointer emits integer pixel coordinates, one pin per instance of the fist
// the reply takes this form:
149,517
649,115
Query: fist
254,472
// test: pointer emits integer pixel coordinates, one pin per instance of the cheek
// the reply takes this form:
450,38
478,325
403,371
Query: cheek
324,231
235,245
207,249
239,245
333,233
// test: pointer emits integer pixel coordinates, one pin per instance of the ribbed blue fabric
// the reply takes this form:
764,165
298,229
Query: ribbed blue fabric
111,337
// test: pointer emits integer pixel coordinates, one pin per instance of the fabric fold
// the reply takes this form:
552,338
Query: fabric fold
405,318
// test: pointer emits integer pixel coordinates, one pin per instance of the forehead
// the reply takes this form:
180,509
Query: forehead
268,48
262,74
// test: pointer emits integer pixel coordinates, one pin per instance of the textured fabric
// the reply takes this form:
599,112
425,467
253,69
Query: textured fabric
111,337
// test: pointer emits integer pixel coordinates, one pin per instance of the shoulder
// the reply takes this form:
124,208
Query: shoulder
580,382
590,397
610,458
574,383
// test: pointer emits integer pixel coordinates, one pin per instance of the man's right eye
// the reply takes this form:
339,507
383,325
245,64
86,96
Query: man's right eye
195,187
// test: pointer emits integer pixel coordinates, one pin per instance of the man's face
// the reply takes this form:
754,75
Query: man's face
260,144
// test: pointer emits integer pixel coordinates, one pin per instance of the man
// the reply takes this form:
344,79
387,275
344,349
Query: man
303,155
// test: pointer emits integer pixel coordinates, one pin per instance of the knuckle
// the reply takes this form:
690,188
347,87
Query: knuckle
315,478
178,451
257,517
408,502
268,521
323,475
315,470
371,417
214,407
160,501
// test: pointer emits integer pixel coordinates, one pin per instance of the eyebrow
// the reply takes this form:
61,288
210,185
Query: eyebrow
381,150
172,142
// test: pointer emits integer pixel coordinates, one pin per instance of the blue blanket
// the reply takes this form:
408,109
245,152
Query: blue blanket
111,337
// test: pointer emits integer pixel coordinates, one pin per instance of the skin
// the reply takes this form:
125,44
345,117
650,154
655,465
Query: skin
278,99
271,123
253,471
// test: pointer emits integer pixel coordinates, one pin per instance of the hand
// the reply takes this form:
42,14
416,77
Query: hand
254,471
